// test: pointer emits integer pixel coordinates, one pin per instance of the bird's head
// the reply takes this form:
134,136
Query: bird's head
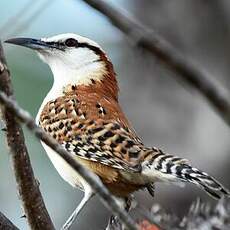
74,60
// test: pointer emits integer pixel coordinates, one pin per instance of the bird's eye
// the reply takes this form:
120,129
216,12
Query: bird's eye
71,42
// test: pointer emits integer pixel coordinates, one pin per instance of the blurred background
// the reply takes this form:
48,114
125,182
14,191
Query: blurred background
165,112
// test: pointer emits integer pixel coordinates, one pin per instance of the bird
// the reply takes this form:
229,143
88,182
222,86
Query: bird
82,112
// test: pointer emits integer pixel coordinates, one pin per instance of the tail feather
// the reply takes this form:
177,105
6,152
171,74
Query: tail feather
165,167
203,180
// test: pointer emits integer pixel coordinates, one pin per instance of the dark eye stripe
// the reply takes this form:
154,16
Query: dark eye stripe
95,49
70,43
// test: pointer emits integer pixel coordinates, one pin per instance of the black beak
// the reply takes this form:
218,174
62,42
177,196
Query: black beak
32,43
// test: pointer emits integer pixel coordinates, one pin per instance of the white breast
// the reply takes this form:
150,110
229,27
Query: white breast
63,168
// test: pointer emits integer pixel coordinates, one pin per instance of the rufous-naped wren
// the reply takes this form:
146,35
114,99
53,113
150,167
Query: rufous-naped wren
82,112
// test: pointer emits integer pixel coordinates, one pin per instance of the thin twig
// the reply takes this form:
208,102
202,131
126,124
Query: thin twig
27,22
14,19
6,224
148,39
34,207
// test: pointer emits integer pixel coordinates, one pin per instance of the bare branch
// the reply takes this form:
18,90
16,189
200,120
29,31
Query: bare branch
6,224
14,19
27,22
188,71
28,187
16,24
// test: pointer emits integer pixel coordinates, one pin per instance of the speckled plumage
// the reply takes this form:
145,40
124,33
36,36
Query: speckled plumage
93,127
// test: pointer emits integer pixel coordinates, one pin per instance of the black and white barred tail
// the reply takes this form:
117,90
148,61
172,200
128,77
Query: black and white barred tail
168,168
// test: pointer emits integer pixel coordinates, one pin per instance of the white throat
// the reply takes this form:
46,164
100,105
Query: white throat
72,67
80,75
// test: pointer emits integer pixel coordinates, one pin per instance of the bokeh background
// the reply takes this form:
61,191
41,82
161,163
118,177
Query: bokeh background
165,112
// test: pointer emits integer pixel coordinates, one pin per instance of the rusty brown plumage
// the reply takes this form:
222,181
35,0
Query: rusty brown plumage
92,120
